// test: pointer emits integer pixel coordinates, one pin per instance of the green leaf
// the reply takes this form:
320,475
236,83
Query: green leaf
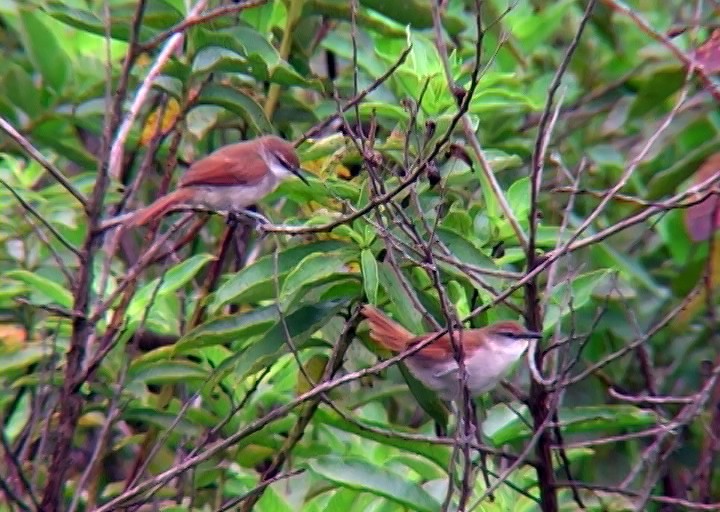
406,312
165,372
162,419
549,236
56,133
254,355
371,281
315,149
459,221
673,232
171,85
416,13
359,474
86,21
174,279
274,501
49,290
428,399
300,324
605,418
340,9
19,90
504,426
15,424
228,328
657,88
238,103
567,297
215,58
259,17
302,193
605,256
256,282
518,195
394,112
497,99
532,27
42,47
425,469
21,359
343,230
465,250
313,270
158,14
292,109
368,61
666,181
242,49
343,499
459,298
82,19
8,291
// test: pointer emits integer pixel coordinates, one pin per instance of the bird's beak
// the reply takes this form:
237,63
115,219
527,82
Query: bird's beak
533,335
298,172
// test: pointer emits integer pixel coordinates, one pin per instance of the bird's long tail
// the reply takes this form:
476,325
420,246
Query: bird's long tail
385,331
160,207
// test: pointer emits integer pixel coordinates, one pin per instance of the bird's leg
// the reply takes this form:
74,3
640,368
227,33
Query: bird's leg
259,218
232,219
465,428
479,436
468,431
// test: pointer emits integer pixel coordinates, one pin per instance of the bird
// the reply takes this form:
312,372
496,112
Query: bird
230,179
489,353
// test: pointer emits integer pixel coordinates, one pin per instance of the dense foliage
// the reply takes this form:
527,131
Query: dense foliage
550,161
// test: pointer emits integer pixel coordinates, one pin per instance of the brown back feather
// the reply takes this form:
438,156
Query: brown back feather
236,161
472,339
243,162
393,336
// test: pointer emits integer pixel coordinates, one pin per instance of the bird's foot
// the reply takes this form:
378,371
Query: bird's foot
467,433
475,435
232,219
259,220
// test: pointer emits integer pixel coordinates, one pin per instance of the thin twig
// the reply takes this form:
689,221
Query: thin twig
169,49
39,158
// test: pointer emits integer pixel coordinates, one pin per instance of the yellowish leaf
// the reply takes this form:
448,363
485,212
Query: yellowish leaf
92,420
12,336
170,114
314,368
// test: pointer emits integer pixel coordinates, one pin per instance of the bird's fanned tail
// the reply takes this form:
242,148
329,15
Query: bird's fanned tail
161,206
385,331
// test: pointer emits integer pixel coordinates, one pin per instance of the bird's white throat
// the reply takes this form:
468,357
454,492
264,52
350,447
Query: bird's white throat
277,168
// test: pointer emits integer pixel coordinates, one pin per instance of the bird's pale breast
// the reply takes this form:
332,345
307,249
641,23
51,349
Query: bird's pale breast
235,197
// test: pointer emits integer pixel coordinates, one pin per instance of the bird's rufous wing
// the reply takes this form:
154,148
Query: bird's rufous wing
437,350
228,166
442,348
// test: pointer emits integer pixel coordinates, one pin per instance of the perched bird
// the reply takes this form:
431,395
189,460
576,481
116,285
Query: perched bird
230,179
489,353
